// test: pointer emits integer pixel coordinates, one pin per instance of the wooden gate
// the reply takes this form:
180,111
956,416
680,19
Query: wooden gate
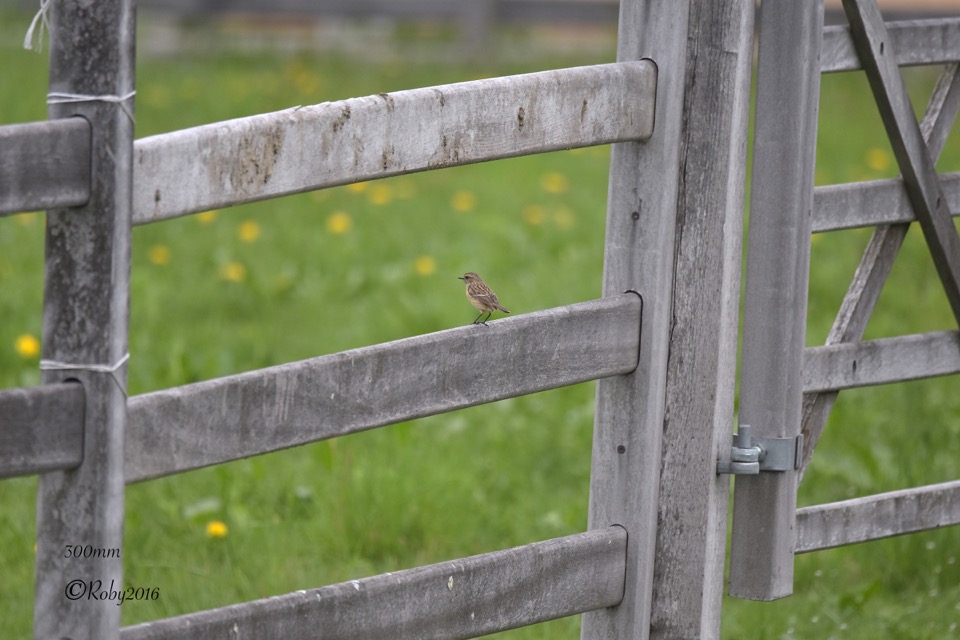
662,339
787,390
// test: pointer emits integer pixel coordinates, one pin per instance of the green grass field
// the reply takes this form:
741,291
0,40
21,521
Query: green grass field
313,274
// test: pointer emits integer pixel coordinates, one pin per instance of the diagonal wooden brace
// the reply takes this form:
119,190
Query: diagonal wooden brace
919,173
877,261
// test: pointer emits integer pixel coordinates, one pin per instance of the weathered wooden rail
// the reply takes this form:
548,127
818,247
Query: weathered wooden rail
459,599
256,412
313,147
307,148
661,341
878,516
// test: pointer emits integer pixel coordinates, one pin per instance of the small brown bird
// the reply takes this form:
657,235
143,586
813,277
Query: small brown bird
481,297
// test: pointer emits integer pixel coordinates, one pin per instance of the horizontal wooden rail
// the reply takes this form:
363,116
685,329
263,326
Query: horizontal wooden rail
41,429
44,165
334,143
865,204
849,365
214,421
874,517
205,423
914,42
457,599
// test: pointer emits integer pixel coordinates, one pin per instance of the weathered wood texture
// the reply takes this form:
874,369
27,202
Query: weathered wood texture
775,306
639,256
871,39
862,364
458,599
880,516
41,429
913,42
692,524
287,405
865,204
335,143
44,165
86,317
877,261
860,204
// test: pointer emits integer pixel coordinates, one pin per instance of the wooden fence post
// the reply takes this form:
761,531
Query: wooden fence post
692,524
85,322
639,256
778,265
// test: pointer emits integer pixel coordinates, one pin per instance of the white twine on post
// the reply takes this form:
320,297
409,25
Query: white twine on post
63,98
39,20
56,365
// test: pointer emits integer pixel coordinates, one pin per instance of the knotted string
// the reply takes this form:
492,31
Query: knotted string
39,20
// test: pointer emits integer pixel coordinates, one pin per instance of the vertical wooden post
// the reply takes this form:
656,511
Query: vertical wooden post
85,322
639,256
701,370
778,265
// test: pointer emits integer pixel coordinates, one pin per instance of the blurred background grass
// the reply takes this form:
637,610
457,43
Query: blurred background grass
267,283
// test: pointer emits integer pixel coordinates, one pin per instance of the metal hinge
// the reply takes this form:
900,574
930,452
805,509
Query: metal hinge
750,456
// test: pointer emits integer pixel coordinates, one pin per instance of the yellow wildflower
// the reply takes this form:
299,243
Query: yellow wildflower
216,529
233,272
27,346
555,183
878,159
207,217
357,187
425,265
380,194
26,219
159,254
339,222
248,231
463,201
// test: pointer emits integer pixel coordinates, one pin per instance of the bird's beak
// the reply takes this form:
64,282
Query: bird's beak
460,278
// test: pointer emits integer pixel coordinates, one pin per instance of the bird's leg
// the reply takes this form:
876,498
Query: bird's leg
477,318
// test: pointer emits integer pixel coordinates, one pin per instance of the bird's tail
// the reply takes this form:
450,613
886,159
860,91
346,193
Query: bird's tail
504,309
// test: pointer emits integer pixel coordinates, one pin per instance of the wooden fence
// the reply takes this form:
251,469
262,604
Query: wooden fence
662,340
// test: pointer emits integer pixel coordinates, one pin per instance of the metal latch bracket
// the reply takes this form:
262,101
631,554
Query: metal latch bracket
750,455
